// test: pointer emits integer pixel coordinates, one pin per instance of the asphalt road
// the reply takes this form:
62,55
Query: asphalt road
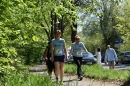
119,66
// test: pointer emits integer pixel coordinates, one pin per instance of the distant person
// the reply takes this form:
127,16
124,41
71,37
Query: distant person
77,47
49,63
59,55
110,57
98,55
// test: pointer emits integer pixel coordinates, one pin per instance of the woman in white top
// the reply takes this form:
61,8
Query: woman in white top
98,55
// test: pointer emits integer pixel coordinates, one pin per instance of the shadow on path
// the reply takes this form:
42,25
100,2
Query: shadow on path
70,80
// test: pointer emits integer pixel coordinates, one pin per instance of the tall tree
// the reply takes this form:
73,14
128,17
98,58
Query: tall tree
123,25
107,21
60,15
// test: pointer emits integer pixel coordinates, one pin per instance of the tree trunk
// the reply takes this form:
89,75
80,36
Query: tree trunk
73,32
52,28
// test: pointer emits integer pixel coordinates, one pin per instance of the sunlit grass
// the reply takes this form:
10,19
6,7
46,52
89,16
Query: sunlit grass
24,78
97,72
27,79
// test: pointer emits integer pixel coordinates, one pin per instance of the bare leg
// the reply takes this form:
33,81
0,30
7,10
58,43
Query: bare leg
61,70
57,71
49,73
109,67
112,67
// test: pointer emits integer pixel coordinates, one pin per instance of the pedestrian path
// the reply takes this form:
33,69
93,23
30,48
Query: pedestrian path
71,80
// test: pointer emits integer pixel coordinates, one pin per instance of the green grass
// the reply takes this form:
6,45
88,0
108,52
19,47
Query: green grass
27,79
24,78
97,72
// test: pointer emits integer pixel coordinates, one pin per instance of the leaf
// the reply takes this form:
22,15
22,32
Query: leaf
35,38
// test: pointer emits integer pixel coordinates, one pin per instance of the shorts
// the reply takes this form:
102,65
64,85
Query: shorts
111,63
50,65
59,58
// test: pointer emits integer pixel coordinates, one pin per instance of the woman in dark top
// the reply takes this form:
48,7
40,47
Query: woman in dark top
49,63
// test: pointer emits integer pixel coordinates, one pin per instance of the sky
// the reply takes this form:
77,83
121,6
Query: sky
79,28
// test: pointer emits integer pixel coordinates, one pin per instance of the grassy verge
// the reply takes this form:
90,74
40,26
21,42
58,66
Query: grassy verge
98,72
25,78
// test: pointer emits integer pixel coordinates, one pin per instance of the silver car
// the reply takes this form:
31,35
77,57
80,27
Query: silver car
124,57
87,58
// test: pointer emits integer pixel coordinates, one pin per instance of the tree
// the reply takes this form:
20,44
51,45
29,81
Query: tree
104,12
123,25
57,10
107,21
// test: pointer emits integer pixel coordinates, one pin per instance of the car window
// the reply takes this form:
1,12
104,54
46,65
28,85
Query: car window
127,53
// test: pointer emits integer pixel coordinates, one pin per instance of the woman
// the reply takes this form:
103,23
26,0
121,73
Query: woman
58,54
49,63
98,55
77,48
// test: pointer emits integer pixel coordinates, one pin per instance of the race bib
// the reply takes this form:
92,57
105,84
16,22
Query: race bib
78,53
58,51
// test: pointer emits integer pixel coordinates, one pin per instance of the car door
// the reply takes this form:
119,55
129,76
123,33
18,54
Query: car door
120,57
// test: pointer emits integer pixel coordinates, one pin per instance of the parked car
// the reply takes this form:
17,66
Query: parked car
71,60
102,58
87,58
124,57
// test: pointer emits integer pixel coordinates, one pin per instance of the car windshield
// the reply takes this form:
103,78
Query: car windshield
127,53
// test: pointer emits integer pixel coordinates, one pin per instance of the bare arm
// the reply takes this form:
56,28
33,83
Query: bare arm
71,51
65,52
85,50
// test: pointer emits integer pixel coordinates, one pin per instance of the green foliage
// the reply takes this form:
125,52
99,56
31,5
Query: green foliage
23,26
67,37
27,79
123,25
92,42
22,40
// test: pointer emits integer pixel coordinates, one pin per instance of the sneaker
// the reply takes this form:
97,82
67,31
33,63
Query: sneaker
80,78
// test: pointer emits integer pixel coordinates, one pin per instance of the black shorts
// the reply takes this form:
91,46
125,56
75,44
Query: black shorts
59,58
50,65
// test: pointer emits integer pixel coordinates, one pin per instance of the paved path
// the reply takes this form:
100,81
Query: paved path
71,80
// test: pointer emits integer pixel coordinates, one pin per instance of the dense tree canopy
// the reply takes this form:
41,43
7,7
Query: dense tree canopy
27,25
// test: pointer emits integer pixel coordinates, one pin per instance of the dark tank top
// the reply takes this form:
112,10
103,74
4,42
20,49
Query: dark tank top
48,53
